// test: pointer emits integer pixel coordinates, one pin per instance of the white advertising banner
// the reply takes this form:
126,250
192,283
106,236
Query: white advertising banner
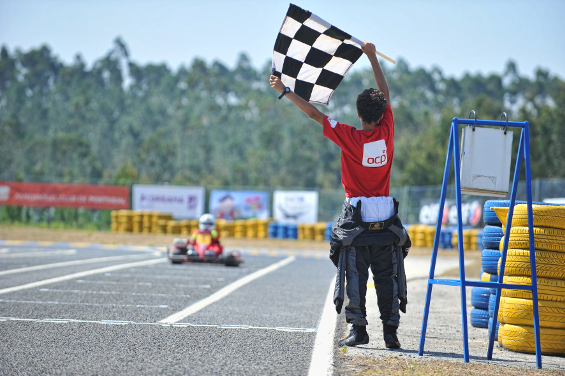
293,207
182,202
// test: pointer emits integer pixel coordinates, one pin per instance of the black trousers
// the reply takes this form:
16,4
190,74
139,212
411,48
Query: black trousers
382,263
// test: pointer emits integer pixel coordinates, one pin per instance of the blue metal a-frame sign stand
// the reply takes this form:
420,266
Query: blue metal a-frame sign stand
453,150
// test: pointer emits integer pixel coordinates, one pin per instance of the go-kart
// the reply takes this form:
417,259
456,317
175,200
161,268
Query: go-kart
202,251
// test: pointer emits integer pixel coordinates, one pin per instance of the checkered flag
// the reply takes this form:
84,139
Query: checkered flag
311,56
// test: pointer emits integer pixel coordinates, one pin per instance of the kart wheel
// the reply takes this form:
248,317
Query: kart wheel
232,259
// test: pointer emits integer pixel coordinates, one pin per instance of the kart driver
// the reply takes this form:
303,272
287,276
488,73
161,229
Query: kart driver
368,211
206,233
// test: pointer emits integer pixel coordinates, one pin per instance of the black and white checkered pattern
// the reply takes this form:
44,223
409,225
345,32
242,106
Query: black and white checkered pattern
311,56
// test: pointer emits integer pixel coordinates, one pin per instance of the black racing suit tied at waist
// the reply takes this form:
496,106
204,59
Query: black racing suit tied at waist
350,231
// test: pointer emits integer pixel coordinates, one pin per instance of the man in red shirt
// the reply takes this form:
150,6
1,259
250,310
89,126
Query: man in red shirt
366,161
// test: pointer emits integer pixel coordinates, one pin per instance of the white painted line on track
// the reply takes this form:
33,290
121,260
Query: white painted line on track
225,291
114,293
177,325
86,304
175,277
4,250
142,284
39,254
82,274
69,263
322,356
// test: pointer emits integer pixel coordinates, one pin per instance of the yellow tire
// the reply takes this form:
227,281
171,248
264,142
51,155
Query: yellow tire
541,210
542,231
500,332
501,311
548,264
485,277
521,338
544,216
520,312
548,289
543,244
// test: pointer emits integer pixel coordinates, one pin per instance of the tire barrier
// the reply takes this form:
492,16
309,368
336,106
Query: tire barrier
480,297
491,303
489,260
520,312
516,306
328,231
487,277
492,236
548,289
479,318
304,231
422,235
490,321
139,221
548,264
489,215
500,331
319,231
470,239
552,216
500,317
521,338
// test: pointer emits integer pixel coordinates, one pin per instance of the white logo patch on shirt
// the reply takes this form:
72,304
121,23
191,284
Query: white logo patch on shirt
374,154
333,123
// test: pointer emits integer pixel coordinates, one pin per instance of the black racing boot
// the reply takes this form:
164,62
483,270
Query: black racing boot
357,336
389,335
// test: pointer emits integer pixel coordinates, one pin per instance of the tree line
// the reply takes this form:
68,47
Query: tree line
119,122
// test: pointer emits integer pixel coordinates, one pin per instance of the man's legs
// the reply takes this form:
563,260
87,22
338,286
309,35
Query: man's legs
355,312
383,266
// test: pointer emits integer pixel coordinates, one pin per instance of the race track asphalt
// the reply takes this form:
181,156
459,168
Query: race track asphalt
108,322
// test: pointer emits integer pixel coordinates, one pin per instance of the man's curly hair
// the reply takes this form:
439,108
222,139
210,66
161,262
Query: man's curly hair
371,105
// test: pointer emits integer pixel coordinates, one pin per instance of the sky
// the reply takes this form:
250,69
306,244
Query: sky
459,36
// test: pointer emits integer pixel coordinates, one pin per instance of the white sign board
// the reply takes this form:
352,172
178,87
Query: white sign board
485,161
182,202
293,207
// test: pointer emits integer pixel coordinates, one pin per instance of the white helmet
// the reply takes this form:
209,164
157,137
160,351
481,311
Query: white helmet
207,222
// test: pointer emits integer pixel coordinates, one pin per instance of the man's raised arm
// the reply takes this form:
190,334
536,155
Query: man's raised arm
306,107
370,51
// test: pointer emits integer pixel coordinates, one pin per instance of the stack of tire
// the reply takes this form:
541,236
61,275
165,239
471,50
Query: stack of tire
516,331
492,235
479,300
481,296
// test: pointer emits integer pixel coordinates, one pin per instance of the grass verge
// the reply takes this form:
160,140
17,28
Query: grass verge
396,366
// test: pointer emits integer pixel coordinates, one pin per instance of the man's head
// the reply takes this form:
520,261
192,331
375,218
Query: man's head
371,104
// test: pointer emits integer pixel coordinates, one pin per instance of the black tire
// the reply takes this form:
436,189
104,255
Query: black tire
230,260
480,297
489,260
479,318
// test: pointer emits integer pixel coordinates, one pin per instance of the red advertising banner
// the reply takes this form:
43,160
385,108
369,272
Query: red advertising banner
64,195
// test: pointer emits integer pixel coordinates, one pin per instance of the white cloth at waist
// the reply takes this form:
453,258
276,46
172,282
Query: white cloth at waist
374,209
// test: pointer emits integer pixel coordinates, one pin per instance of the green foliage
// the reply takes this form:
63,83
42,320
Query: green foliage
119,122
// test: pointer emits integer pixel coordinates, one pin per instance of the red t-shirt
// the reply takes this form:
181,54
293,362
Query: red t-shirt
366,156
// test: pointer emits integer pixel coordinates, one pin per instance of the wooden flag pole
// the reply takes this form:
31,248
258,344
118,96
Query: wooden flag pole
385,57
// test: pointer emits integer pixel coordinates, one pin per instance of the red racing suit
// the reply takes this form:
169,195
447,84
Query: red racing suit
211,237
